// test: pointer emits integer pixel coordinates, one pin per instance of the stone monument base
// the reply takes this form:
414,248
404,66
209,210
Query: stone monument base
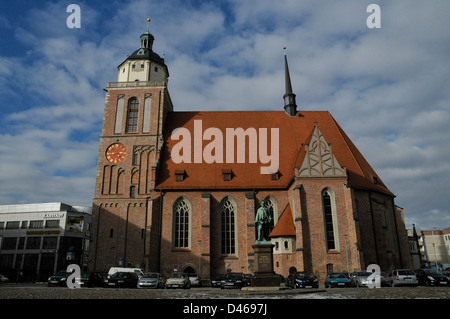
264,275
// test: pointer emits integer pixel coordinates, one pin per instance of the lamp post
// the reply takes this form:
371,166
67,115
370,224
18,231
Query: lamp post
200,258
346,253
434,246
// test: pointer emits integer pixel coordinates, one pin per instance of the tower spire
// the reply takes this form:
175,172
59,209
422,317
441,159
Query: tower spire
289,97
147,38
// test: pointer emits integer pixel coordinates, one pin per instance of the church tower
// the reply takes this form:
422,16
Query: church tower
135,110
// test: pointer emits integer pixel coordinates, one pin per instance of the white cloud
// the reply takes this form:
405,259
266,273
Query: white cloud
387,88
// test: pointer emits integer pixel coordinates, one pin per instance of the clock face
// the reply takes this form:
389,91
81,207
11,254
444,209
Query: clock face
116,153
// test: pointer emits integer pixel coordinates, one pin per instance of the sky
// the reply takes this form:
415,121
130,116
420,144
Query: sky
387,87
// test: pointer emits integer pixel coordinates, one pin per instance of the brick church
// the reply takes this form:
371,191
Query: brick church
180,190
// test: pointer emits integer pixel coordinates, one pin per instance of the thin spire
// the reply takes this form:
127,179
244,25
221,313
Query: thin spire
286,73
148,24
289,97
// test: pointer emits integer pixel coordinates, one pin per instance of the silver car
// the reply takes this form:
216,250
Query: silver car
151,280
195,280
400,277
359,278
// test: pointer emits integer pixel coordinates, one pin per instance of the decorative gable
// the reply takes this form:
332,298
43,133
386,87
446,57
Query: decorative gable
319,159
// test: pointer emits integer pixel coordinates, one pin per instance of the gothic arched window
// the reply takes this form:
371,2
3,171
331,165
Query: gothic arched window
132,115
272,206
181,223
330,220
228,226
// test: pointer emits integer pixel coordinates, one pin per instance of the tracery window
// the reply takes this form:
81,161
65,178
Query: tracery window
181,223
330,220
228,227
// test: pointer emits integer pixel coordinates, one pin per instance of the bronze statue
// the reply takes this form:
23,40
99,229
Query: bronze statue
262,222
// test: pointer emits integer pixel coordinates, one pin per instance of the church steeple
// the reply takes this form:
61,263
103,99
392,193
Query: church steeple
289,97
144,64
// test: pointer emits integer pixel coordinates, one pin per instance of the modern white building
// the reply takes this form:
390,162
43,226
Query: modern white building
36,240
430,248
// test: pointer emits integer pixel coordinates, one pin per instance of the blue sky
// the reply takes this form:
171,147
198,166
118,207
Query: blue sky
388,88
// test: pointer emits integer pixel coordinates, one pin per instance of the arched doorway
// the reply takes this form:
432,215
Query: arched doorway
189,270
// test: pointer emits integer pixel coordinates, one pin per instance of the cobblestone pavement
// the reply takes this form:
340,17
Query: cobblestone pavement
41,291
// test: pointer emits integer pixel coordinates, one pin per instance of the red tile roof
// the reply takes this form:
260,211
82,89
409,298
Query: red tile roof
294,132
285,225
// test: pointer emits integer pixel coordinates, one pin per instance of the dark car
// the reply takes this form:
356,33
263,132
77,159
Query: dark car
304,280
234,280
216,280
122,280
58,279
249,278
90,279
337,279
432,277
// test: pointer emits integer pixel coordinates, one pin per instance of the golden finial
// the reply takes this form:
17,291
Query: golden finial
148,24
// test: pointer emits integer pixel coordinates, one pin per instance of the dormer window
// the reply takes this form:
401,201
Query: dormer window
227,174
179,175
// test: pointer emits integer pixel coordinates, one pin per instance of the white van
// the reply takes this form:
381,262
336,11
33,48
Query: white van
137,271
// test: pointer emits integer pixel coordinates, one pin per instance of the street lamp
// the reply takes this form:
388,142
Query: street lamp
434,246
346,253
199,258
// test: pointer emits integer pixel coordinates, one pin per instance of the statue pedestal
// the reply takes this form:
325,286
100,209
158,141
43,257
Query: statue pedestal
264,275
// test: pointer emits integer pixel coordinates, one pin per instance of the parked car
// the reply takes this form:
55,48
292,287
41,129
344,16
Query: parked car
91,279
122,280
3,279
289,282
400,277
304,280
337,279
359,278
178,280
233,280
151,280
249,278
446,271
431,277
58,279
137,271
195,280
216,280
